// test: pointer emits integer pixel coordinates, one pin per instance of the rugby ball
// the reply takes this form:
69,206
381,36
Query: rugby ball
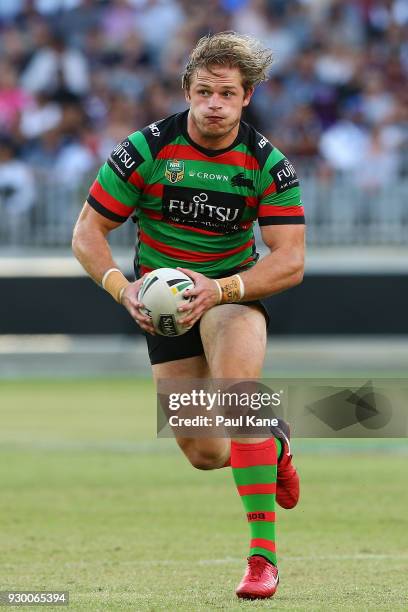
161,294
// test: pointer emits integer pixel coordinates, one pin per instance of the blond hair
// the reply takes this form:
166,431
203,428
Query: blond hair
232,50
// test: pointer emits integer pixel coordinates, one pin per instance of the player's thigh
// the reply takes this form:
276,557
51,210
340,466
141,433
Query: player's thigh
190,367
234,340
203,453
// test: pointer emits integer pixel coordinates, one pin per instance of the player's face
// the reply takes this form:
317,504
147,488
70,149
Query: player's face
216,101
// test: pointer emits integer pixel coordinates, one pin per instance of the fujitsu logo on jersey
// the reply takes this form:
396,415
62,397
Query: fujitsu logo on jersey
214,211
284,175
124,159
200,207
120,152
287,171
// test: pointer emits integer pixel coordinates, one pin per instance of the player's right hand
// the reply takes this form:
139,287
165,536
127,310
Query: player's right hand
131,303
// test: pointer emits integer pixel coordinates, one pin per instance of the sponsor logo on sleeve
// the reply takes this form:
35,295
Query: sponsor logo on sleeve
154,130
284,175
174,170
205,209
124,159
263,142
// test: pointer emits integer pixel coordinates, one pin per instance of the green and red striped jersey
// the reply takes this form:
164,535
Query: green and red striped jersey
196,207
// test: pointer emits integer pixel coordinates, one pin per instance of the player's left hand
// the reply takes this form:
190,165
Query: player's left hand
205,294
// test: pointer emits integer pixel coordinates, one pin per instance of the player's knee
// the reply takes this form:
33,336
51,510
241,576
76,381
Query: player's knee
201,457
205,460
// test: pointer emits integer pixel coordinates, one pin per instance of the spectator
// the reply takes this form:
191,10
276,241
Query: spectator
123,116
13,99
74,163
119,20
120,61
56,66
17,191
9,9
377,103
42,152
52,6
13,47
336,65
344,144
77,76
251,17
380,166
299,134
158,21
41,115
273,103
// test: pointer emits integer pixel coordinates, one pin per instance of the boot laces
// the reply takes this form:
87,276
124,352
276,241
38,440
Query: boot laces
256,566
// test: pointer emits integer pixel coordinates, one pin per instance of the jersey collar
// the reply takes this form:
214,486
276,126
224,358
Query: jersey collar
209,152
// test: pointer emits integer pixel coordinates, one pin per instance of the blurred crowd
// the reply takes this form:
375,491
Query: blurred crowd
76,76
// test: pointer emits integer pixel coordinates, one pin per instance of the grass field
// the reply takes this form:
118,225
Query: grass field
91,502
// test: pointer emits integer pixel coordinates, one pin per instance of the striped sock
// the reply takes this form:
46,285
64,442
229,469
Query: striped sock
254,468
279,449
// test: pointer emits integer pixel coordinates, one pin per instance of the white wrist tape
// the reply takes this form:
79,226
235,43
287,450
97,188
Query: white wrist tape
105,276
121,295
115,283
241,287
231,289
219,291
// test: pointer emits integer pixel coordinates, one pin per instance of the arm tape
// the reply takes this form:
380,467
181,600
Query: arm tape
114,282
232,289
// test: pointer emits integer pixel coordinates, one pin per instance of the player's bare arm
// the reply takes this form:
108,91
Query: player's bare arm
281,269
91,248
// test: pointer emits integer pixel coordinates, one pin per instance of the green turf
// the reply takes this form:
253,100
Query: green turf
91,502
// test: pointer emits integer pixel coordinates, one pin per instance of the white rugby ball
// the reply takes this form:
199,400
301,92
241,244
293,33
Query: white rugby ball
161,294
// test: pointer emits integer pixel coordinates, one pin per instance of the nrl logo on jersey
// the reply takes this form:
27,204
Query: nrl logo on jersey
174,170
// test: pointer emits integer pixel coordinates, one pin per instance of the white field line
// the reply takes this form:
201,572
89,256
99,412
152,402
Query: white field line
224,561
351,557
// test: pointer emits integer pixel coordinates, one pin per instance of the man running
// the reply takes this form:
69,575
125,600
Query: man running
195,183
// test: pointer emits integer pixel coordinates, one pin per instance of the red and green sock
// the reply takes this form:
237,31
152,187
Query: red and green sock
254,467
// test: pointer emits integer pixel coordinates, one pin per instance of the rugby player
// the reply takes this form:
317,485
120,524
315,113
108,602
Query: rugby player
195,183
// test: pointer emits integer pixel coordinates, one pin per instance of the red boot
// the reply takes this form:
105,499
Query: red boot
260,580
287,484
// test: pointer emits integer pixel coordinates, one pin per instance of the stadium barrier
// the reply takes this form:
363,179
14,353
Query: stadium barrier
324,304
338,212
